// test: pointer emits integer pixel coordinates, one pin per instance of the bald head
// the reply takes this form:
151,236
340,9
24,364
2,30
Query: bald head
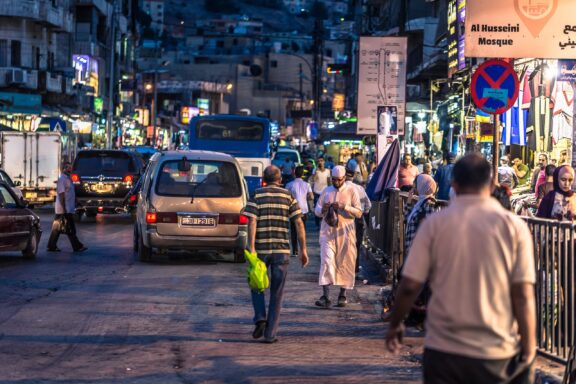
272,175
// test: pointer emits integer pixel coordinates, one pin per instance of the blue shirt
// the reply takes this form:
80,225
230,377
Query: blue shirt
443,178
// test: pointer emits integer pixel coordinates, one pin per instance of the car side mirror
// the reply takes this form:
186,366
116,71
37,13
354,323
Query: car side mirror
17,183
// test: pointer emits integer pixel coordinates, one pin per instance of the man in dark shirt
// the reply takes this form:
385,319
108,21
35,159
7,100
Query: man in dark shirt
270,211
443,177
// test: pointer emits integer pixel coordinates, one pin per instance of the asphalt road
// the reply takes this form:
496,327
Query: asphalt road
104,317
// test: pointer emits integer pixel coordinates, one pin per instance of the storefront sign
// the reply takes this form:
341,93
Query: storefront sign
494,87
187,113
20,103
452,38
461,6
98,105
566,70
338,102
203,106
521,28
381,81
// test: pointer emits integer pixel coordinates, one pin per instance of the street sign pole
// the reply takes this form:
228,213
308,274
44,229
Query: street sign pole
495,151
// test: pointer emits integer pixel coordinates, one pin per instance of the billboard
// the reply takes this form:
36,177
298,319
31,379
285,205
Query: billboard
520,28
381,81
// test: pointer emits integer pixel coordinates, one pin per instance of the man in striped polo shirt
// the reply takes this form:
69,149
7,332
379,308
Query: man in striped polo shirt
270,211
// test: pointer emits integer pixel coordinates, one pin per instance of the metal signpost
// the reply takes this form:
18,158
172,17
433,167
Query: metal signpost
494,89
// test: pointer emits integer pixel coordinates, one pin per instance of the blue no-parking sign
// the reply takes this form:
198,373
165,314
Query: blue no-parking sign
494,87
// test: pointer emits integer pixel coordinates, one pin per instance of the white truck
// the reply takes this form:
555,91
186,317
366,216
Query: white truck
32,160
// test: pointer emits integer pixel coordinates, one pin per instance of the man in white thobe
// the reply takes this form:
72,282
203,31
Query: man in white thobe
338,244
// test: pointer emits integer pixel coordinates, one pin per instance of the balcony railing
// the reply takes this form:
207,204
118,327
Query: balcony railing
101,5
56,16
23,8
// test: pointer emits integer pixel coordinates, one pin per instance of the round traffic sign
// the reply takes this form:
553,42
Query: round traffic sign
494,87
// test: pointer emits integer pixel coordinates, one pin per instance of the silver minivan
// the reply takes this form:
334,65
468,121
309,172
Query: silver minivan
191,200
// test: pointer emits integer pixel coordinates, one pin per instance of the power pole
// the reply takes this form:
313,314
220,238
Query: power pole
317,65
110,116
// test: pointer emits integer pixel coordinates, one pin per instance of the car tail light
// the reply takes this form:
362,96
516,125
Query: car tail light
151,217
75,178
133,198
244,220
100,209
128,179
264,184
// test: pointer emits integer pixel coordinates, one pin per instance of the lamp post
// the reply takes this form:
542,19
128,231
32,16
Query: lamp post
154,87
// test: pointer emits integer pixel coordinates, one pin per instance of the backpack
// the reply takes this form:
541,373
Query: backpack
257,273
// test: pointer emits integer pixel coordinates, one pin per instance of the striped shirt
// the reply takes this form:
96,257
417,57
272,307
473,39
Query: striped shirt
273,207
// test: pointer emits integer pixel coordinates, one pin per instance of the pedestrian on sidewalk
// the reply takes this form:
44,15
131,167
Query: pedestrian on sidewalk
302,192
443,177
407,173
479,261
320,180
270,211
338,243
366,204
65,208
560,203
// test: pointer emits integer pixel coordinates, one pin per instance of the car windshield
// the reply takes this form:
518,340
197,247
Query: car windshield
104,163
204,179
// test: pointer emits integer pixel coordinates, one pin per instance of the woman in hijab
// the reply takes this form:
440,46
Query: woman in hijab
425,188
560,203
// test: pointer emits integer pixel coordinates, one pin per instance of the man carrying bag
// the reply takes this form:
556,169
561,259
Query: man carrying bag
271,210
65,206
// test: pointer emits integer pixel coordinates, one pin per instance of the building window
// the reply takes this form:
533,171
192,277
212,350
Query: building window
274,63
3,53
16,53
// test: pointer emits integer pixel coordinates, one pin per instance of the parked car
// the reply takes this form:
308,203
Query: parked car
103,178
191,200
13,185
19,226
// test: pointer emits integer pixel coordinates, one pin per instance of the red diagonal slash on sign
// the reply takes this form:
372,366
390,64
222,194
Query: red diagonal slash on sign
495,84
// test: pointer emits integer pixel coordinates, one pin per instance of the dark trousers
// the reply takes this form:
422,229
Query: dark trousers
55,234
359,237
278,266
294,234
447,368
317,219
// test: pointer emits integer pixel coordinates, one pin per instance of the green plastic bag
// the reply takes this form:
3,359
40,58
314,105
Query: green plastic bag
257,272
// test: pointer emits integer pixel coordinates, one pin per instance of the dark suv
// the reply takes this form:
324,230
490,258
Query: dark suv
103,178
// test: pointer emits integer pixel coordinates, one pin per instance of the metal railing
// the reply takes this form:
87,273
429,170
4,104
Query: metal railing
554,252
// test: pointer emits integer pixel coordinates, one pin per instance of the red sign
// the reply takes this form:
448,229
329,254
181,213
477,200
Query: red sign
494,87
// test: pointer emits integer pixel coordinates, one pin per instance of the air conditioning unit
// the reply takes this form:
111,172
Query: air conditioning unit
16,76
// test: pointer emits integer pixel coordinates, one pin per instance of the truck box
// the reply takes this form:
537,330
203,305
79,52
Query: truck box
33,159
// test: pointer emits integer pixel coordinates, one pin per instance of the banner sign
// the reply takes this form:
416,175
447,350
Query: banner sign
381,82
566,70
521,28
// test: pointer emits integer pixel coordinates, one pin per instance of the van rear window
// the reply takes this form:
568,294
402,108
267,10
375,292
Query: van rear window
94,163
229,130
203,179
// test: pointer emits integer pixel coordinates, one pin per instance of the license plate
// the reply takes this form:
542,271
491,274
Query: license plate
31,195
102,188
199,221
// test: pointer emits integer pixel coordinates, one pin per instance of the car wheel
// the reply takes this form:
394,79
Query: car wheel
144,252
239,256
32,247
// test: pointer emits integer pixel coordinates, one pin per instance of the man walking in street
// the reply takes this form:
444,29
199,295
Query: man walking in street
443,177
270,210
407,173
479,262
359,223
538,176
339,205
506,174
65,208
320,180
302,192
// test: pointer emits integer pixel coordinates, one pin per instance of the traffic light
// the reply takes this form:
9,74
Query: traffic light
339,69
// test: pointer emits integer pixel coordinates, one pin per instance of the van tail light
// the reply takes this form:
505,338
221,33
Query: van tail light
133,198
128,179
75,178
151,218
244,220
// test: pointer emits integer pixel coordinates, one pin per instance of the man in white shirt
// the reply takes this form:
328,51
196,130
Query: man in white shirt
366,205
302,192
65,207
479,261
320,180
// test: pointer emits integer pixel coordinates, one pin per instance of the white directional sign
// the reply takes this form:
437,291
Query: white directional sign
382,86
